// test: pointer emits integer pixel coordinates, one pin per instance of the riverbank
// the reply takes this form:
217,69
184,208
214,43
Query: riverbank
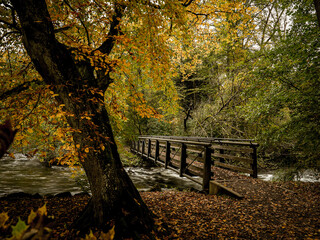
287,210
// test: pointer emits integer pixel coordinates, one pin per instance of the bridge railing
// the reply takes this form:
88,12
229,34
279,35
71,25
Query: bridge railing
194,156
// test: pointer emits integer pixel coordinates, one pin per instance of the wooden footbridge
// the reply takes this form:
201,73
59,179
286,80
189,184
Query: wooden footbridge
198,156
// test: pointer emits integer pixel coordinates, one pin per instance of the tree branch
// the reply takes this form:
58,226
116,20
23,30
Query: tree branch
34,107
81,21
20,88
108,44
7,34
51,58
187,3
10,25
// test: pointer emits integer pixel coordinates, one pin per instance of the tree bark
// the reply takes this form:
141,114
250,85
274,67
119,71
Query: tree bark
115,200
317,7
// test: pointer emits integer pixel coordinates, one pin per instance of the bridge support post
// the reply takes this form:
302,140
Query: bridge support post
222,159
167,154
206,169
149,148
254,164
143,147
183,158
156,155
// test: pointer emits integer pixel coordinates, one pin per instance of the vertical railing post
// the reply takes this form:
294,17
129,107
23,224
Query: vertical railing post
254,164
206,168
167,154
143,147
156,155
222,159
149,148
138,146
183,159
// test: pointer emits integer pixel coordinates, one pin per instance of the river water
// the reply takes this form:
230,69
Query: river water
28,175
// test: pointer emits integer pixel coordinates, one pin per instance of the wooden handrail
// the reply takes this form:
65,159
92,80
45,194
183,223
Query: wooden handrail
232,141
176,141
211,151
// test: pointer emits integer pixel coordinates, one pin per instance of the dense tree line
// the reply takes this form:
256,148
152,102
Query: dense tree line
260,83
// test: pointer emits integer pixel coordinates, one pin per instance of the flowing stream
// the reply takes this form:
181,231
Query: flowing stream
28,175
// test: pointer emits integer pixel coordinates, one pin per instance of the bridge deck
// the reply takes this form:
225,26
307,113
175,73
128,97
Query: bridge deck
203,157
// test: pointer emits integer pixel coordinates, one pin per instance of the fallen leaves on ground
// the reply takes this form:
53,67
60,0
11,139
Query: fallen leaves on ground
268,211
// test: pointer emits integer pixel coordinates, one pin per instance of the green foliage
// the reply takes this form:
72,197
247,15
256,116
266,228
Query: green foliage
19,229
264,85
286,87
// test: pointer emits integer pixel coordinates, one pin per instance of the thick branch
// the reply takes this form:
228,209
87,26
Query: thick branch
20,88
108,44
51,59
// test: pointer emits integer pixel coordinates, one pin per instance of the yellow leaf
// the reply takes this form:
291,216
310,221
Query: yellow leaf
12,155
31,216
19,137
86,150
43,210
109,235
90,237
78,146
3,219
30,130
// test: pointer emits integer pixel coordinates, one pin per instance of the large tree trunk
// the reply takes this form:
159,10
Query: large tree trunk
115,200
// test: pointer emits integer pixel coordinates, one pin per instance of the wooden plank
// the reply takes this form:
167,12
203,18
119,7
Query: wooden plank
192,179
175,164
176,161
216,188
240,169
193,172
179,141
236,143
231,157
195,149
199,139
235,149
195,168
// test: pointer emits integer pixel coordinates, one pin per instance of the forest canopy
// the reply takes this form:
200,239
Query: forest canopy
245,69
80,77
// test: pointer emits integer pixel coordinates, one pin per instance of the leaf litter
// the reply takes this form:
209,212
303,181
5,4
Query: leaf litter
270,210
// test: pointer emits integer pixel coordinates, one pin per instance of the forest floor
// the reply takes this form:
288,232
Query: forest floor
269,210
